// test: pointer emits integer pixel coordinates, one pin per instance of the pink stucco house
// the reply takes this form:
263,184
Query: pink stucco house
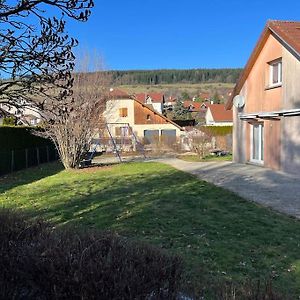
266,101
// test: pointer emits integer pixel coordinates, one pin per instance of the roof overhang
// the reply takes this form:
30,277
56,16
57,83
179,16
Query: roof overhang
285,43
269,29
270,115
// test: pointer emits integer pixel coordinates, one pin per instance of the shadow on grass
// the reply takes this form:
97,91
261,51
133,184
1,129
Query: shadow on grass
29,175
219,234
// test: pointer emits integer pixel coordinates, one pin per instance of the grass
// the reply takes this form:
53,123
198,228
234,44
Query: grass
219,235
196,158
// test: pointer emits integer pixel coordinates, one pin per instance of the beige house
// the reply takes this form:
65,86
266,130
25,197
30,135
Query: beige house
125,115
266,101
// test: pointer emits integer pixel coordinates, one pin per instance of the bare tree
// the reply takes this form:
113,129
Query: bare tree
36,53
73,129
201,141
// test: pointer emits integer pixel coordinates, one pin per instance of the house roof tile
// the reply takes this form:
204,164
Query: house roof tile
157,113
219,113
287,32
117,93
195,106
155,97
204,95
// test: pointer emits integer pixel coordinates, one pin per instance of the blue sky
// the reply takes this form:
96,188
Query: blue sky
159,34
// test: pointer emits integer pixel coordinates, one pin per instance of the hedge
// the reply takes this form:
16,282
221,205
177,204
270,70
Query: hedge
20,149
9,121
217,130
15,138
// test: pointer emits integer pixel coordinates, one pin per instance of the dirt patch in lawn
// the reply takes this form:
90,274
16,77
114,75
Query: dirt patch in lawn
93,169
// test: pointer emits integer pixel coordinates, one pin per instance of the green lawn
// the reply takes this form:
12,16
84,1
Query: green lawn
219,235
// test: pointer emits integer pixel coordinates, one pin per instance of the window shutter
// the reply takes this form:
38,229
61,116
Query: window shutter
123,112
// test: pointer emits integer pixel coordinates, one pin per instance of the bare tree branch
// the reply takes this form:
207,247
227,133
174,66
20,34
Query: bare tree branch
36,58
73,128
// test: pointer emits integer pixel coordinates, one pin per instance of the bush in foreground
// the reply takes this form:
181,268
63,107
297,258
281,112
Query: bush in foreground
39,262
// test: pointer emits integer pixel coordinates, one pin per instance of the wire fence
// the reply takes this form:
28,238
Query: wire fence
18,159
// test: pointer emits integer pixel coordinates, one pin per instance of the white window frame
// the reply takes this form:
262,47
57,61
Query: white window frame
272,64
259,161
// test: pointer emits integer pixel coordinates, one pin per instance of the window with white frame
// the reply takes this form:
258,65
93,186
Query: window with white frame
275,73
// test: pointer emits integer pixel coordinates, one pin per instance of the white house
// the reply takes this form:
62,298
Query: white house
217,115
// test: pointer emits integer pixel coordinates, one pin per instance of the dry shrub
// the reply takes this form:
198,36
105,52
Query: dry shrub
250,290
39,262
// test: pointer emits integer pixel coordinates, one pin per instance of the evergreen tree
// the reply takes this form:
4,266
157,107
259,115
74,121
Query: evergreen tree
180,112
176,76
185,96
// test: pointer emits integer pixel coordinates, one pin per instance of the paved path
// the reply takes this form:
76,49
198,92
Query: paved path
277,190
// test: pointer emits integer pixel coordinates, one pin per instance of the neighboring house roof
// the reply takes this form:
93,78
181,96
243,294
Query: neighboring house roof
287,32
142,97
157,113
117,93
219,113
195,106
155,97
172,99
204,95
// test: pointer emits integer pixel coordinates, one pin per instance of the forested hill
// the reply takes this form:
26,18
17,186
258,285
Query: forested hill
175,76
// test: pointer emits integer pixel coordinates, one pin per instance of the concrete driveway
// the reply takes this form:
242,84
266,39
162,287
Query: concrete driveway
277,190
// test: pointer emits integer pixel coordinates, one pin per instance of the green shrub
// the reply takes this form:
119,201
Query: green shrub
9,121
217,130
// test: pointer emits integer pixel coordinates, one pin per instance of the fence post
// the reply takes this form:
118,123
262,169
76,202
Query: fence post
12,165
38,155
26,158
48,158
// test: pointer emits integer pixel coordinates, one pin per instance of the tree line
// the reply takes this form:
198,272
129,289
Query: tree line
154,77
